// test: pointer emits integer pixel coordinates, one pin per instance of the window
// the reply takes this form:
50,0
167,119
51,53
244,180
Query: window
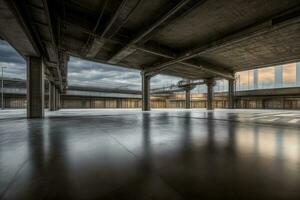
266,77
289,74
242,80
221,85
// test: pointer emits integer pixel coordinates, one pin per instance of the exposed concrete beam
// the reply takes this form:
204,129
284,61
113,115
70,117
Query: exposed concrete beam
53,46
54,67
79,26
22,32
276,22
14,29
113,18
159,51
48,75
115,23
210,68
50,29
39,28
200,65
128,49
91,46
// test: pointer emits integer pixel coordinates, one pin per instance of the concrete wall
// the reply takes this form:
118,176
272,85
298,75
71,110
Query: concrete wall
220,102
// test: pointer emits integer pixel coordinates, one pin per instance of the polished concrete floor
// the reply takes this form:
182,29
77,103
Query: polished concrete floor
162,154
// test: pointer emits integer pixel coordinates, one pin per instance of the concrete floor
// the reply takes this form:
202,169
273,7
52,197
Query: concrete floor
162,154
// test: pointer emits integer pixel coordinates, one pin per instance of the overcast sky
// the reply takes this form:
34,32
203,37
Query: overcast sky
14,63
83,72
92,73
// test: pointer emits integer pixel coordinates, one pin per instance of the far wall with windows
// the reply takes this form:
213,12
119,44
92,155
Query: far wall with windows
279,76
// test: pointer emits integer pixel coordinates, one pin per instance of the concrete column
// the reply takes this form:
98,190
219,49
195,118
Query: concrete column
298,73
35,87
210,93
278,76
255,78
188,98
57,97
49,95
231,93
58,100
145,92
188,95
52,96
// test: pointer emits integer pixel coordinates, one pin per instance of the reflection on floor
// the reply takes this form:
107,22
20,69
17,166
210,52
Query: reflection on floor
162,154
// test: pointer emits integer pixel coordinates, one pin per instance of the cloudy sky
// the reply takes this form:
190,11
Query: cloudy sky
14,63
83,72
92,73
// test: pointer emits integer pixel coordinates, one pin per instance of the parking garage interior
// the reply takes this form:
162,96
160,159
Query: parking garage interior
140,99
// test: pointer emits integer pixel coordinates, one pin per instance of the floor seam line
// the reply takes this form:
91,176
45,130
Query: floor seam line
154,171
123,146
166,182
14,178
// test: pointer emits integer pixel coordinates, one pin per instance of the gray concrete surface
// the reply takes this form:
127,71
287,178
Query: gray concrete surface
162,154
35,87
190,39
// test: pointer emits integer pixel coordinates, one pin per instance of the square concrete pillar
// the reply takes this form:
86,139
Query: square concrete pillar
278,76
298,74
52,96
145,92
57,99
188,95
210,93
35,87
255,78
231,94
49,95
188,98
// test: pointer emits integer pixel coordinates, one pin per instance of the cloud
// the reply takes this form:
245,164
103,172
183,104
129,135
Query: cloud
14,63
84,72
92,73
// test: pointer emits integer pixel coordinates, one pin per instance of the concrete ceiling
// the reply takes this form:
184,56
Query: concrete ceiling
187,38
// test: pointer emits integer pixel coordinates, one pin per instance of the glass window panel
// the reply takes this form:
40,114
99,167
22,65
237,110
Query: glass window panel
250,79
289,74
266,77
221,85
243,80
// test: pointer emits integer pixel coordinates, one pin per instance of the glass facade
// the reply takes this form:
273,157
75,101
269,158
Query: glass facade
266,77
289,74
280,76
